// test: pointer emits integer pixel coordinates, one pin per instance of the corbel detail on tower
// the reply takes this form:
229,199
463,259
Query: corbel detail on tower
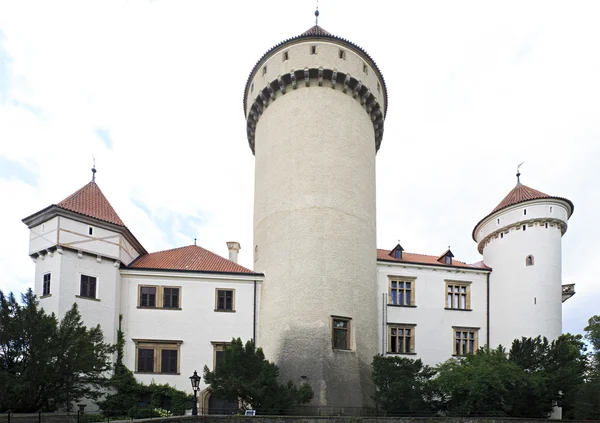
351,85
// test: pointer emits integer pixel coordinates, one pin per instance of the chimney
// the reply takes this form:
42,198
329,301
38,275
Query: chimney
234,250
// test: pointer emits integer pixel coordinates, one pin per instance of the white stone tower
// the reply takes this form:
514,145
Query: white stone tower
521,241
315,106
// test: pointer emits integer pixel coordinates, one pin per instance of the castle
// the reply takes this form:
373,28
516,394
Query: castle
321,299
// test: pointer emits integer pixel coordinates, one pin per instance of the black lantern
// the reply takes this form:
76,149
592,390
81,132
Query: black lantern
195,379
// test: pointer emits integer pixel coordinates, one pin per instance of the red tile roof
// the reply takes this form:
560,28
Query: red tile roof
90,201
189,258
423,259
519,194
316,30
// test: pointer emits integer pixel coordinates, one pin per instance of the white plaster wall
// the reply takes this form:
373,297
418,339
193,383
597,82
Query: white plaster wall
537,209
434,336
196,324
127,252
327,56
43,235
101,311
48,264
314,225
525,300
74,234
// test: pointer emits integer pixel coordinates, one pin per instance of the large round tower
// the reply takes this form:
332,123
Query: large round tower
521,241
315,106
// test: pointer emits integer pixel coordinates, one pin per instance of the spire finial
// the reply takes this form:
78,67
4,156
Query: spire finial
519,173
94,170
317,14
194,241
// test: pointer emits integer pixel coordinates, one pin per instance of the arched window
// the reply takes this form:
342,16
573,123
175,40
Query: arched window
529,260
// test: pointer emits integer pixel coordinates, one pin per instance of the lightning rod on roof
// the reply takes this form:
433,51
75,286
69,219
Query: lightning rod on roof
317,14
94,170
519,173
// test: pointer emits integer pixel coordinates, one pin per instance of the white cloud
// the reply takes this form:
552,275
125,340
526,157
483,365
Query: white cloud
475,88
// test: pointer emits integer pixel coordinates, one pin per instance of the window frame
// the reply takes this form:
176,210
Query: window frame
453,283
225,310
46,293
401,279
469,330
348,330
217,347
157,346
402,326
159,297
96,284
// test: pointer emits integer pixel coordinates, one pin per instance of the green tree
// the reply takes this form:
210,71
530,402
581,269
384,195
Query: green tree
244,375
481,384
46,364
587,402
403,386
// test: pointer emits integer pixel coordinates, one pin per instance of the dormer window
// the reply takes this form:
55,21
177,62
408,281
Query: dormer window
397,252
446,258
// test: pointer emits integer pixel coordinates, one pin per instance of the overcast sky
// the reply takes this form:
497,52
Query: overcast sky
154,91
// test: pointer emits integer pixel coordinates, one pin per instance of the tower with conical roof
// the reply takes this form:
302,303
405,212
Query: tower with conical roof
521,241
315,107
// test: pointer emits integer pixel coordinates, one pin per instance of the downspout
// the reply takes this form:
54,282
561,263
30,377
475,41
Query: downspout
487,332
254,315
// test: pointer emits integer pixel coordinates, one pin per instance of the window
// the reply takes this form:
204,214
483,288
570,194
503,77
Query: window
170,297
342,54
378,87
458,295
252,87
502,235
87,288
402,292
340,336
546,226
264,70
90,230
524,211
529,260
286,56
550,209
157,356
44,225
313,49
524,227
365,69
148,296
46,284
218,353
225,300
465,341
448,260
498,221
160,297
401,339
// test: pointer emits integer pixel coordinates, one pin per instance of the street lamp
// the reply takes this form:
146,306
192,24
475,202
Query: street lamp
195,379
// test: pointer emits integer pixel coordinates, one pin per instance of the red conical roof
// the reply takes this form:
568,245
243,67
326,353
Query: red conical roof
90,201
519,194
315,30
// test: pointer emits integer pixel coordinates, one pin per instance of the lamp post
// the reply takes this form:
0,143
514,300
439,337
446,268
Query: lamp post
195,379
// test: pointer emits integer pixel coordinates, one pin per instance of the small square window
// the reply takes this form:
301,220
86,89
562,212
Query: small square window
550,209
341,333
524,227
90,230
313,49
286,56
401,339
465,341
365,68
524,211
87,287
342,54
498,221
225,300
264,71
170,297
46,284
458,296
147,296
